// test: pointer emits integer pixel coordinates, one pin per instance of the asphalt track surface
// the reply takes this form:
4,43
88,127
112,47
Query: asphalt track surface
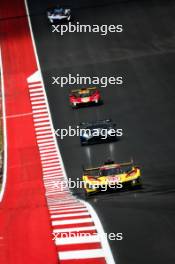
144,107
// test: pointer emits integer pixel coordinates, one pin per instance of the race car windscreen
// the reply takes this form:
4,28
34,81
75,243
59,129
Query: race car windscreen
111,171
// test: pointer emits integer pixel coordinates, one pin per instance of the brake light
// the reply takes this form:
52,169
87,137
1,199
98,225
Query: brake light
95,94
92,178
131,173
74,98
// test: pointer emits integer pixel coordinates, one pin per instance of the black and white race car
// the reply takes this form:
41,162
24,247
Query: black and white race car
99,132
57,14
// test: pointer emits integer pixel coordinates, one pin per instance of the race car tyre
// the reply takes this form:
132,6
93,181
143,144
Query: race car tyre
50,21
136,183
74,105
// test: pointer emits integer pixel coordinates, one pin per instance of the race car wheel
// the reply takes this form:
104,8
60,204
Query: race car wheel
50,21
74,105
136,183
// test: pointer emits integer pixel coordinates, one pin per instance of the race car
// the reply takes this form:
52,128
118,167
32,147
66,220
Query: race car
99,131
84,97
57,14
112,176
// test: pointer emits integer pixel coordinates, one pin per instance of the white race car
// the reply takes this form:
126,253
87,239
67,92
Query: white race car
57,14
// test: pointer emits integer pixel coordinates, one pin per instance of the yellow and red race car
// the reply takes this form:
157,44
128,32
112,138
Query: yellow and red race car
84,96
111,175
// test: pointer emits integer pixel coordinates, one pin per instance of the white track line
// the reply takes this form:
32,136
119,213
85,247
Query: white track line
74,229
69,210
70,222
81,254
34,90
36,94
77,240
4,179
68,215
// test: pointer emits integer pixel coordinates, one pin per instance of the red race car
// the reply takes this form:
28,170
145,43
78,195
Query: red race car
85,96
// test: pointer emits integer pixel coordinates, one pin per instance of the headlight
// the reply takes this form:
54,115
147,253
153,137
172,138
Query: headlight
93,187
85,135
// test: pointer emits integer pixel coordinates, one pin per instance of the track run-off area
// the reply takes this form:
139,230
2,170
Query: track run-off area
32,210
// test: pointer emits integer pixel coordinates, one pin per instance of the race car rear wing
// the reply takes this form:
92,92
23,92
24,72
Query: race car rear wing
122,164
131,162
97,122
78,90
91,169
